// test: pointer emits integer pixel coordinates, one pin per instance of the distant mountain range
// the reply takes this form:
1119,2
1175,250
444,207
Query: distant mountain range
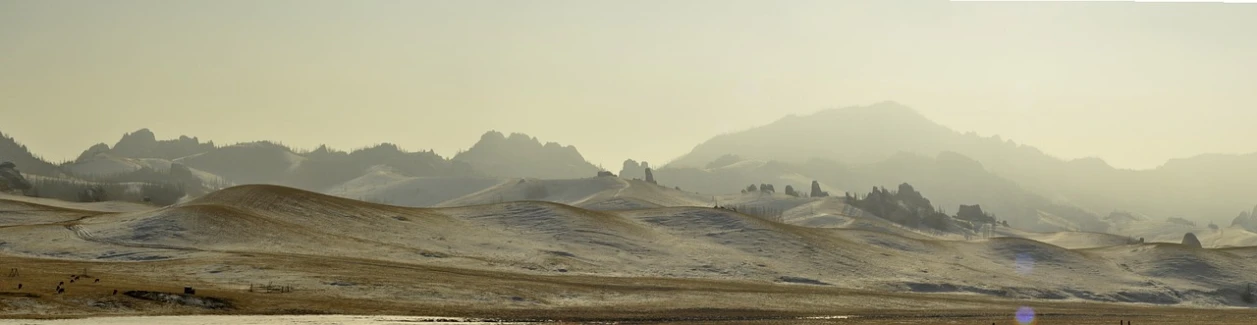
885,143
846,150
265,162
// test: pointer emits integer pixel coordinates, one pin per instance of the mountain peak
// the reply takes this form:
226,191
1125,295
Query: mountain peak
521,155
140,136
144,144
850,134
492,135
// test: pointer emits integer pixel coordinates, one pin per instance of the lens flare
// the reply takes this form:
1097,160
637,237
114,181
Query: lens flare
1024,264
1025,315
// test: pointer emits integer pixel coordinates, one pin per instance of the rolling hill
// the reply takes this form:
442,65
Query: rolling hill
546,241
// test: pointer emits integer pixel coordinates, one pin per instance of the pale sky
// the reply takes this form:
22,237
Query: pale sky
1132,83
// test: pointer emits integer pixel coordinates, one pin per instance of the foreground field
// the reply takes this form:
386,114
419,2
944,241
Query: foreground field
1097,317
253,320
474,294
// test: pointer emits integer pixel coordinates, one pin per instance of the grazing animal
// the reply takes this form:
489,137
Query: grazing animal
97,281
115,292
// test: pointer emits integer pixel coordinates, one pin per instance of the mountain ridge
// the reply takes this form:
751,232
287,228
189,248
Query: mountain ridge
873,133
859,135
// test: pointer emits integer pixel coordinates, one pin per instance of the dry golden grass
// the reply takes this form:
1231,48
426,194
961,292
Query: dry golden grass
475,293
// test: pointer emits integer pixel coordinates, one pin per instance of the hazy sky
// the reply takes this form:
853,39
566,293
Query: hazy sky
1135,84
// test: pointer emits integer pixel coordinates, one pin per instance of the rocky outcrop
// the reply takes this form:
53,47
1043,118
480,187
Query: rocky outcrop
816,190
1190,240
634,170
91,152
520,155
790,191
1246,220
11,179
144,144
650,177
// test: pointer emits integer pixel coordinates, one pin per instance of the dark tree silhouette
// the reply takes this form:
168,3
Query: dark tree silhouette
906,207
974,213
1249,296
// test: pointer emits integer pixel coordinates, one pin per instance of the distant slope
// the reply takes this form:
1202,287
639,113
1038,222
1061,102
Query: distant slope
324,169
1067,239
247,163
601,193
735,176
384,184
856,135
27,163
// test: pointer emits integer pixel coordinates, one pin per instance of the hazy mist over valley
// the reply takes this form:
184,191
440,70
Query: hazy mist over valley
847,162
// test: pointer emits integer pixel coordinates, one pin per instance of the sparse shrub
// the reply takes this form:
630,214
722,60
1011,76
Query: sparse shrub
11,178
1249,296
906,207
974,213
93,193
82,191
